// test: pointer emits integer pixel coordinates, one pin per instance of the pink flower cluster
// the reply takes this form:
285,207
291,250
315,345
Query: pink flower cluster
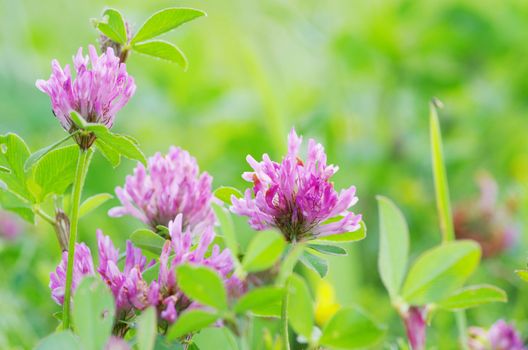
97,93
170,185
128,285
170,192
500,336
296,196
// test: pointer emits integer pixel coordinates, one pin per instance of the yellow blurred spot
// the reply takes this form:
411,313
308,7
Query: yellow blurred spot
325,304
519,168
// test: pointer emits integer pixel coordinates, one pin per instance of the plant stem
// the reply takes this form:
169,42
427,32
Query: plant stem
462,329
78,184
284,316
44,216
288,264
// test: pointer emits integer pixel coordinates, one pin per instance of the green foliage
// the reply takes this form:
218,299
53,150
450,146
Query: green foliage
351,329
328,249
114,26
163,50
263,301
203,285
523,274
120,144
164,21
93,202
315,263
148,240
354,236
393,246
215,338
35,157
147,329
190,321
109,153
13,154
15,204
300,306
224,193
93,313
473,296
440,271
440,177
63,340
227,228
54,172
263,251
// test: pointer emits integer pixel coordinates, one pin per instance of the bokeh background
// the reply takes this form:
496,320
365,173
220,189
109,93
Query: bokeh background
356,75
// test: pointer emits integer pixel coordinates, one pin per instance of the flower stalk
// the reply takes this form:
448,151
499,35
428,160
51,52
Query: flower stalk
78,184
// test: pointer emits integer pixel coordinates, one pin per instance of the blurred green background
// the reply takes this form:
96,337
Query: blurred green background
357,76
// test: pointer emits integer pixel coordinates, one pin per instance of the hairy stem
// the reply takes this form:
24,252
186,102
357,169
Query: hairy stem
284,316
283,279
462,329
78,184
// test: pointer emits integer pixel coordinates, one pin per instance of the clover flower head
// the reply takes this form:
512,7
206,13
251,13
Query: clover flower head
189,247
500,336
170,185
82,266
297,196
99,90
128,286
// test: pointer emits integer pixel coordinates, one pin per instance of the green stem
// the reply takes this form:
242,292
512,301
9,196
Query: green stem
44,216
284,316
462,329
78,184
285,272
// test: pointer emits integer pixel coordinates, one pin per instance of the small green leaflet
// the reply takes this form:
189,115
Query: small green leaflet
163,50
114,26
164,21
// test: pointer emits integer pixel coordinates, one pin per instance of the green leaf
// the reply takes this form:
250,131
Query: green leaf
264,301
263,251
14,204
164,21
472,296
13,154
203,285
78,120
190,321
147,329
63,340
439,271
110,154
122,144
151,273
93,202
35,157
393,246
148,240
114,27
93,313
300,306
523,274
55,171
328,249
440,177
4,169
315,263
357,235
226,226
351,329
215,338
224,193
163,50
